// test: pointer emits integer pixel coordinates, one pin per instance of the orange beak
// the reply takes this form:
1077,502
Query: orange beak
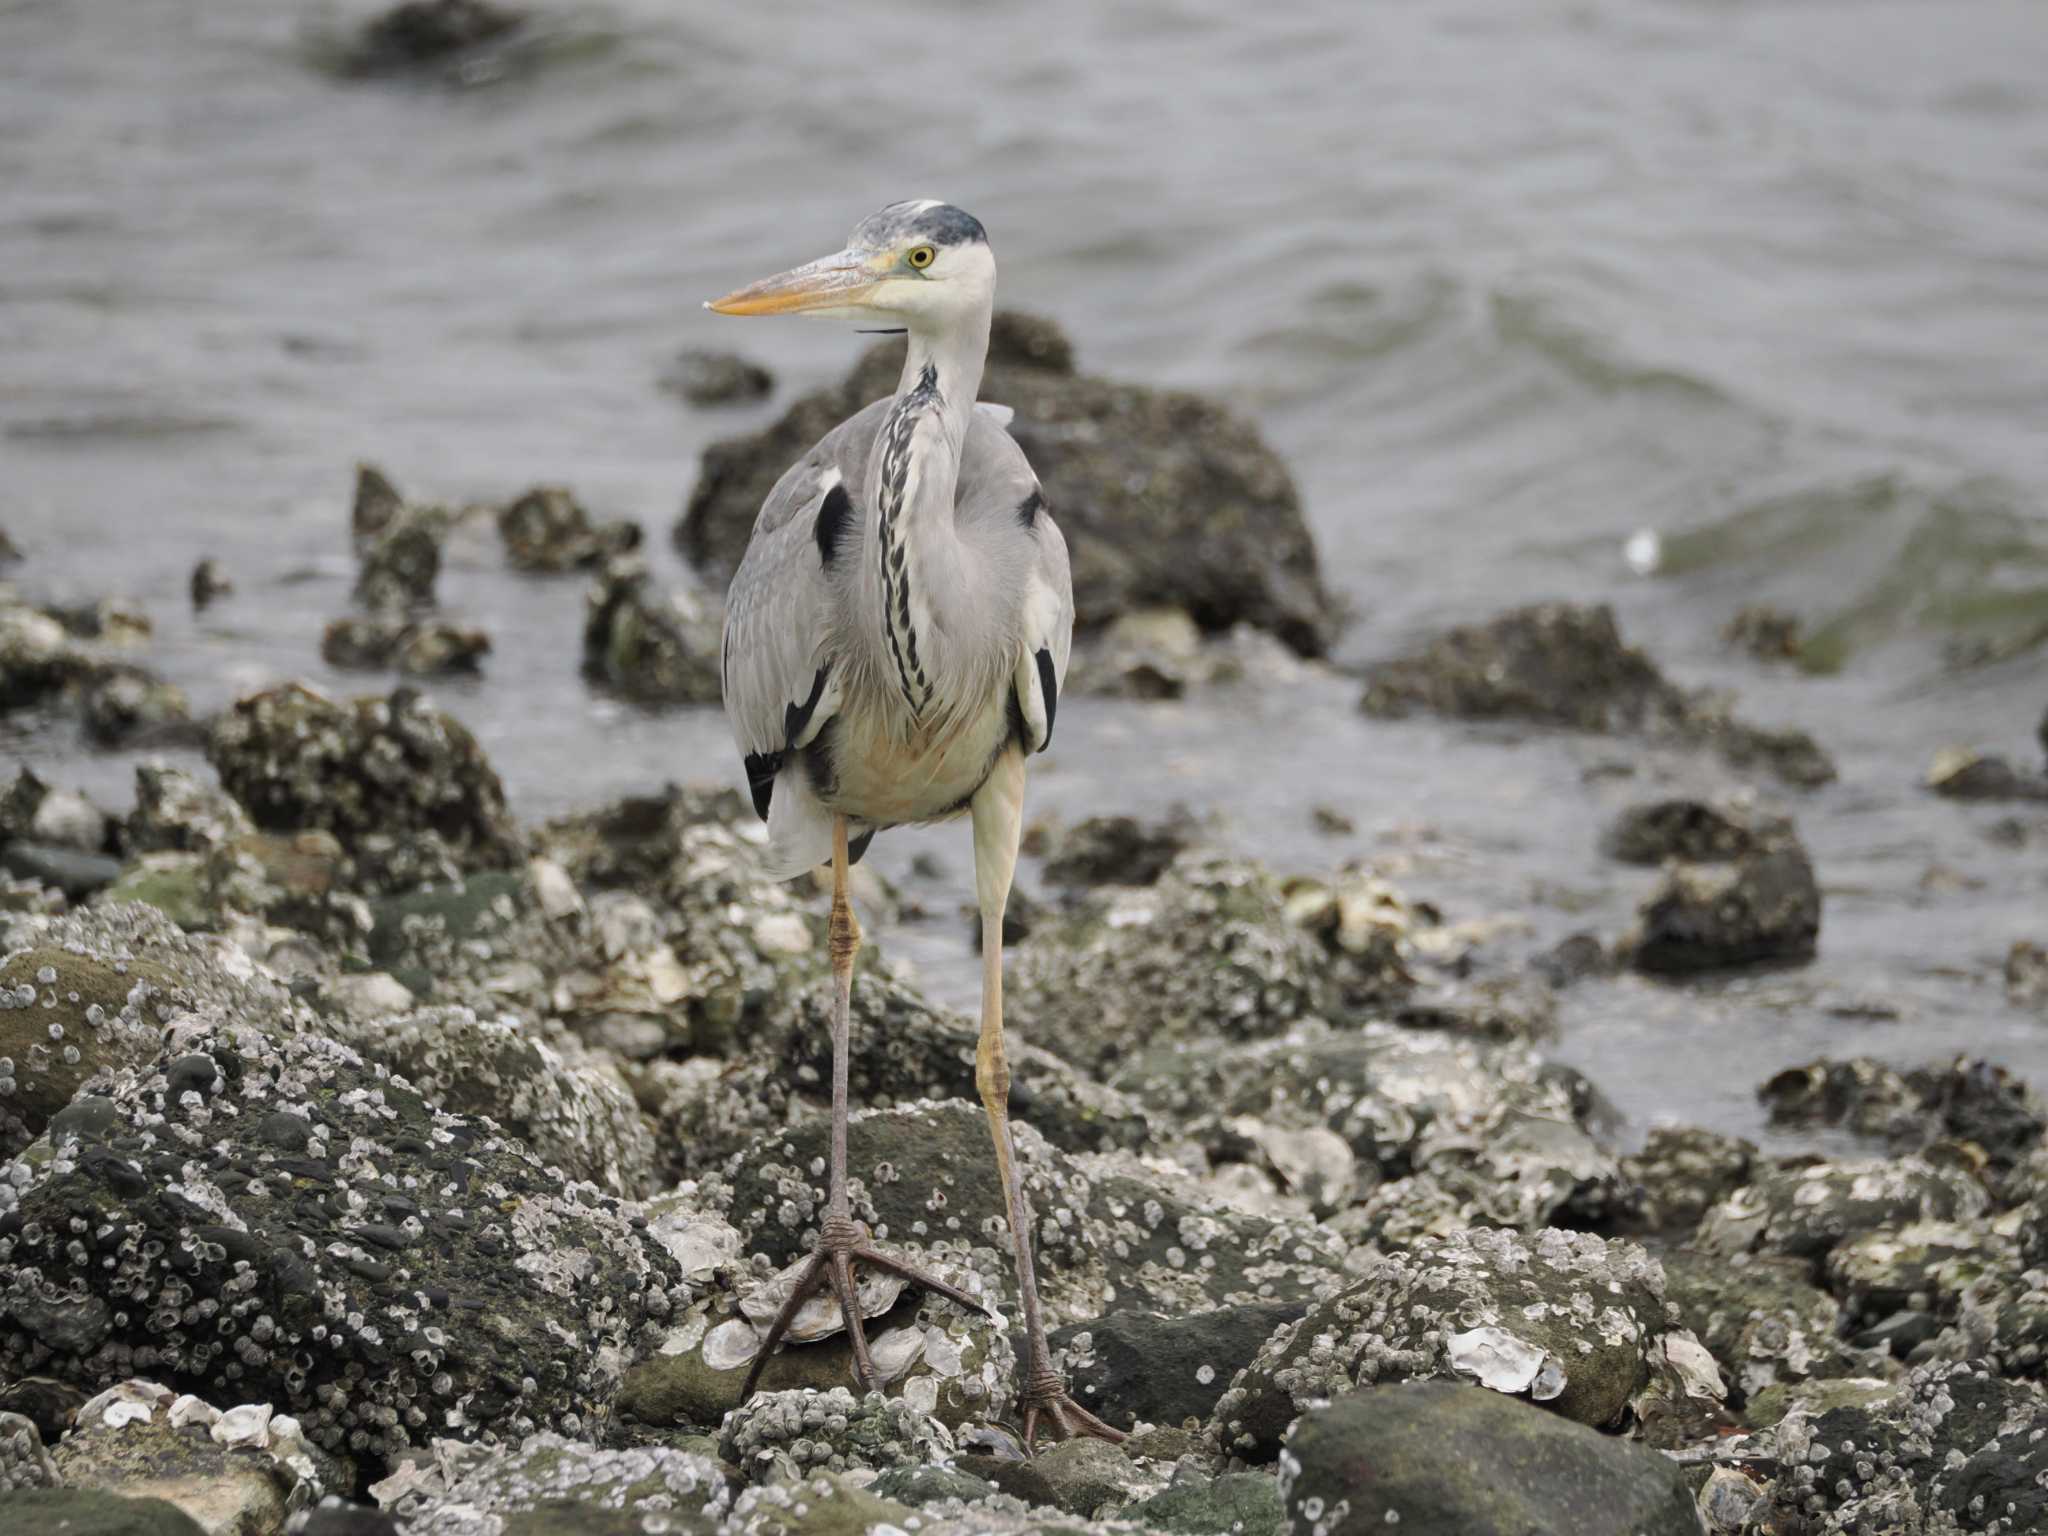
838,282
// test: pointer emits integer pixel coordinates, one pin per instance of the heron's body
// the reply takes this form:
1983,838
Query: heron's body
895,640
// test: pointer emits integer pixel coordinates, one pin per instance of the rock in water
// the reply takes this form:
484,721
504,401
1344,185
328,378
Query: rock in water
653,647
415,33
395,769
1562,665
277,1220
1434,1457
1164,497
1708,916
705,377
546,530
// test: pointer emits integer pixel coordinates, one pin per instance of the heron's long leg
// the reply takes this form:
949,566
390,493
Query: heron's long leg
998,821
842,1241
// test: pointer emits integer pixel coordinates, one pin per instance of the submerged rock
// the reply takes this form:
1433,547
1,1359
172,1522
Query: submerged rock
705,377
89,1512
1763,908
425,648
1164,498
209,584
373,771
1768,634
1962,774
1562,665
1567,1319
547,530
651,647
376,504
414,33
1434,1456
280,1220
401,562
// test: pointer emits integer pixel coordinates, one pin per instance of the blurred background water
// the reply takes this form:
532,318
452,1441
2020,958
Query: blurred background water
1504,284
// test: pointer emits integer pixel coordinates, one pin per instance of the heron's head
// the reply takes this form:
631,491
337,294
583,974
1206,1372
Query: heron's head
915,265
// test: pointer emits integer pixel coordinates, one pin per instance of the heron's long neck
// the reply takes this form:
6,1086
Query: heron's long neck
918,581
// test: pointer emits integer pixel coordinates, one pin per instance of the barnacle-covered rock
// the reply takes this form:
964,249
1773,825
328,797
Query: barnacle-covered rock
176,812
418,648
379,773
1958,1449
119,703
1763,1319
400,562
1765,907
1681,1173
779,1436
566,1102
24,1460
550,1483
1566,1318
1802,1212
1966,1100
277,1218
1692,831
546,529
1107,1225
65,1016
705,377
1115,850
1918,1266
235,1472
651,646
1444,1457
1558,664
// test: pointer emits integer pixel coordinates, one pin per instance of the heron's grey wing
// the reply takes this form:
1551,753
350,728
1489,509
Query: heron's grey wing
1001,511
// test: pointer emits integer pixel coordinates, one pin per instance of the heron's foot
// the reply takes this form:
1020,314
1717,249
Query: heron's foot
1045,1398
841,1245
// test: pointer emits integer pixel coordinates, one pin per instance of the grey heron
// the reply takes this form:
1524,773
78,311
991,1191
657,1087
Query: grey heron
895,639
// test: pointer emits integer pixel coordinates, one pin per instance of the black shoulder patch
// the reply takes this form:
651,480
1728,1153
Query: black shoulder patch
1049,685
796,716
761,770
1028,508
835,516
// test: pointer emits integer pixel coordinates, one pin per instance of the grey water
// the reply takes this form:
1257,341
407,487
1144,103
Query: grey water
1505,284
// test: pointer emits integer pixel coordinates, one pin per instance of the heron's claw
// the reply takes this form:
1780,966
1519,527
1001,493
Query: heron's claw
1045,1397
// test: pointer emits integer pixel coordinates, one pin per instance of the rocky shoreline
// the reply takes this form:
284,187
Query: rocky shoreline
376,1162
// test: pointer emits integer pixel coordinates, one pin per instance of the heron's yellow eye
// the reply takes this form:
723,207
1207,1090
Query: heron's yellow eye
922,256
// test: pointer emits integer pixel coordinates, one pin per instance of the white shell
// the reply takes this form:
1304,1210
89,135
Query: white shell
818,1318
732,1344
247,1425
1497,1359
896,1351
191,1410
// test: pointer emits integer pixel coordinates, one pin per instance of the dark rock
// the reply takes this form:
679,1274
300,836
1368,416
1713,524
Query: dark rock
1802,1212
1565,1317
334,1518
71,870
120,703
1763,1319
1964,1100
175,811
10,552
377,504
1083,1476
425,648
38,658
649,646
250,1273
1961,774
1560,665
209,584
1433,1456
1572,959
1694,831
401,563
1915,1267
1164,497
546,530
1764,908
89,1512
370,771
705,377
1235,1504
1115,850
1132,1366
1681,1173
423,32
2026,971
1768,634
632,843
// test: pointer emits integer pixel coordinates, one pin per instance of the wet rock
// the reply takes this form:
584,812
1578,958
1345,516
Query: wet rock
1565,1318
209,584
372,771
649,646
1434,1456
1162,653
1108,1225
414,33
2026,971
1211,949
1762,1319
904,1050
705,377
1115,850
1694,831
1084,1477
546,530
1960,773
225,1483
1164,498
1572,959
1893,1269
24,1462
1966,1100
64,1018
1561,665
38,657
88,1512
1235,1504
76,874
119,703
1528,1173
1958,1450
567,1103
31,810
554,1485
1764,908
279,1220
376,505
426,648
176,811
782,1436
1768,634
401,562
1131,1366
1802,1212
631,843
1681,1173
